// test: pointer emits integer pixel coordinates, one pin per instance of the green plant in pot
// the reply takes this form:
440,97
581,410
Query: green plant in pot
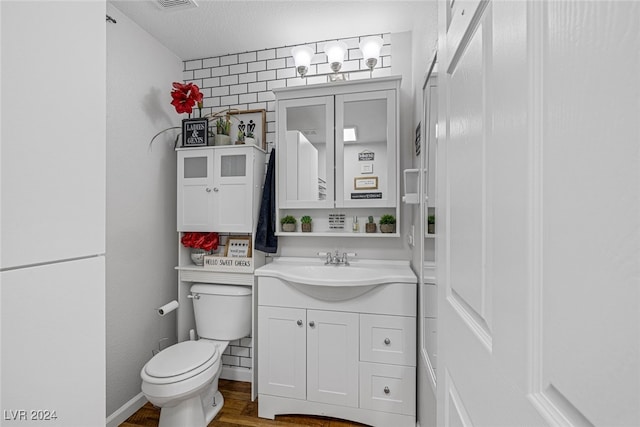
431,224
387,224
370,226
223,128
288,223
305,223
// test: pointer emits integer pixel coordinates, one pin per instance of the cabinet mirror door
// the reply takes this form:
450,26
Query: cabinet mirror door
305,153
365,150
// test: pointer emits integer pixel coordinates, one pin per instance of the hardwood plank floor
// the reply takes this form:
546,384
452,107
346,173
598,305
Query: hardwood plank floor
238,410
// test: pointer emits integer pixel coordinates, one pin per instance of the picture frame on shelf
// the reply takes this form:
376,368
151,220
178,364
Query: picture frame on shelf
365,183
238,246
250,121
195,132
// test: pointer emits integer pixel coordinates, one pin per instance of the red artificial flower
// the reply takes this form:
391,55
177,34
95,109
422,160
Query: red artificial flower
206,241
185,96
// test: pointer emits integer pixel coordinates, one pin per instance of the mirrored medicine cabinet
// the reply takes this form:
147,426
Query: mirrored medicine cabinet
337,152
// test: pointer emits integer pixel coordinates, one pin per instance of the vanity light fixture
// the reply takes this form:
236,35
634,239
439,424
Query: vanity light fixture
370,47
302,56
336,51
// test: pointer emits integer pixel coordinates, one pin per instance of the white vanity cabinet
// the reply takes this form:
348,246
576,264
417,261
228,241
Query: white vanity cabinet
337,148
218,188
352,358
310,354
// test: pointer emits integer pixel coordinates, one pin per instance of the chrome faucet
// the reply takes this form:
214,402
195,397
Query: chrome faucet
335,258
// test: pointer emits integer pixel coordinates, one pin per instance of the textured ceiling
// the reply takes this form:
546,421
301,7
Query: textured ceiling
220,27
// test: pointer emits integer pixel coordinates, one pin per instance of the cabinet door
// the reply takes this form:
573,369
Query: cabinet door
332,357
366,149
305,153
195,187
283,352
232,190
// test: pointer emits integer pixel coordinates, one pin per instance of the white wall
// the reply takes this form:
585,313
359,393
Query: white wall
141,203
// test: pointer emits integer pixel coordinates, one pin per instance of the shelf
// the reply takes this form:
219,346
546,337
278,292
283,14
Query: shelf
429,236
194,273
335,234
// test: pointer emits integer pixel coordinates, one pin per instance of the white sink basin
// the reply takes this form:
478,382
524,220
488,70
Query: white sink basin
313,272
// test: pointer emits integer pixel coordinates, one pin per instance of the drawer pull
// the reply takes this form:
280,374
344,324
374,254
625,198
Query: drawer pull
387,341
312,323
386,390
299,322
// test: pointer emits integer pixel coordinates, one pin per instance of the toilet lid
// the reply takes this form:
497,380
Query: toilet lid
182,358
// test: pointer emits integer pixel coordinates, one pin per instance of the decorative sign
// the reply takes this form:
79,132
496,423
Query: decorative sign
228,264
249,122
336,221
195,132
365,183
366,168
238,246
366,196
366,156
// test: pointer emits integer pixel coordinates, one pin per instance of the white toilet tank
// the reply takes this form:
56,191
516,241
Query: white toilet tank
222,312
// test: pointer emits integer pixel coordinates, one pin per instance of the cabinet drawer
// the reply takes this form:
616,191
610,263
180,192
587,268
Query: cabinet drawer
388,388
388,339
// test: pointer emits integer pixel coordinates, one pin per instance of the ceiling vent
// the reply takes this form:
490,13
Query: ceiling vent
169,5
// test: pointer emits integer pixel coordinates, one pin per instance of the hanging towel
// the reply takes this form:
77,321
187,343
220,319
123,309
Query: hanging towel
266,240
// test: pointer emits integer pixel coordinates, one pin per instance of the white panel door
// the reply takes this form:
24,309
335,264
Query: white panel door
233,190
282,363
52,184
332,357
538,316
195,190
53,348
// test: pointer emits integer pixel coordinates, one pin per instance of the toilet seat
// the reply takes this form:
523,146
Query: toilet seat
180,362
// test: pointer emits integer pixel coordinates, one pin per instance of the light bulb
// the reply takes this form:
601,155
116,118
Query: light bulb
335,54
302,57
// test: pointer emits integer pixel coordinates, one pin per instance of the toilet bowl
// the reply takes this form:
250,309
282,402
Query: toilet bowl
183,379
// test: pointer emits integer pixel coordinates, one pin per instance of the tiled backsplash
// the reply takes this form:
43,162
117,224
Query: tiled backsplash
244,81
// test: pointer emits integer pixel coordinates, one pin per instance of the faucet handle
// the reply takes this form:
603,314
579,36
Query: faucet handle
346,255
326,254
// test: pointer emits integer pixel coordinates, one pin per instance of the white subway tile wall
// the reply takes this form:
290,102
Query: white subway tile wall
244,81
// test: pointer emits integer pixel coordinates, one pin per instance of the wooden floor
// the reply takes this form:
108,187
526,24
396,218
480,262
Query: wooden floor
238,410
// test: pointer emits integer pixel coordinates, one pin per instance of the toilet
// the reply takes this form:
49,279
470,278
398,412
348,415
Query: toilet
183,379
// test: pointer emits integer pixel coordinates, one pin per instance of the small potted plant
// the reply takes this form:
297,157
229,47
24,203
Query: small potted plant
370,227
387,224
305,222
223,127
201,244
288,223
240,139
431,224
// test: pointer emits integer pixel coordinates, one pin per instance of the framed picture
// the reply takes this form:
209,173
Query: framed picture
365,183
194,132
250,122
238,246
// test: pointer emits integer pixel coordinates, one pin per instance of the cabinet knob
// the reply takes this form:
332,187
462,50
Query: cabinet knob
299,322
386,390
215,189
387,341
312,324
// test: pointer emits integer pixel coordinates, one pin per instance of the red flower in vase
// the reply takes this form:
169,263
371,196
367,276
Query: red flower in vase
185,96
206,241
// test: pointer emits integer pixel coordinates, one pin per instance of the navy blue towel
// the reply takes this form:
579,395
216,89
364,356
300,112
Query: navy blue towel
266,240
